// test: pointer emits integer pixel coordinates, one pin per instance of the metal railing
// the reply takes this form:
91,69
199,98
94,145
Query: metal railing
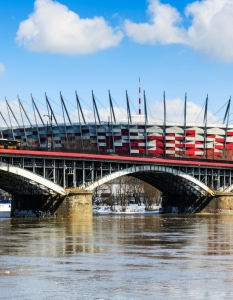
104,152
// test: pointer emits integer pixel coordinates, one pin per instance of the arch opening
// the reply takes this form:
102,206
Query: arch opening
168,180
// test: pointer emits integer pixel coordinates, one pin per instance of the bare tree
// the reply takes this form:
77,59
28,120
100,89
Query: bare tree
122,192
226,154
130,186
29,143
124,188
151,195
79,144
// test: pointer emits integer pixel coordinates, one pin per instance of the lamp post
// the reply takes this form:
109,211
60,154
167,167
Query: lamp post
50,119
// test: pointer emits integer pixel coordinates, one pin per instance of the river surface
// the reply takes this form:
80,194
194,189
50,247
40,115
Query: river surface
117,257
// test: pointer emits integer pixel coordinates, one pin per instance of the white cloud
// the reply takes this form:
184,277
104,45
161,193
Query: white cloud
6,113
2,68
104,114
162,27
53,28
175,112
210,30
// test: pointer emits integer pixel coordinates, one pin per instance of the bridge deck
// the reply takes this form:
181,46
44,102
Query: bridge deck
113,158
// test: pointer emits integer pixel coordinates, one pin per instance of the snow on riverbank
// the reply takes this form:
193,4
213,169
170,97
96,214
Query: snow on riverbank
118,209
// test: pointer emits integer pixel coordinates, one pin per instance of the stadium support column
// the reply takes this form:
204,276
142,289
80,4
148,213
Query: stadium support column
226,119
64,120
164,124
146,120
205,128
111,108
4,122
79,119
113,118
25,134
49,107
80,109
64,110
185,115
96,114
42,122
22,108
8,110
129,120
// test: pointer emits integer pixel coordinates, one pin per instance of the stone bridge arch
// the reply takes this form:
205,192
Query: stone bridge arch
162,177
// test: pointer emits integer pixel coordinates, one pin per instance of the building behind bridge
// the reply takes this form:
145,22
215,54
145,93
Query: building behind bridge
136,135
135,138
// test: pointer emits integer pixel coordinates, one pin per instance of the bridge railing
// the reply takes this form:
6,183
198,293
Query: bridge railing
104,152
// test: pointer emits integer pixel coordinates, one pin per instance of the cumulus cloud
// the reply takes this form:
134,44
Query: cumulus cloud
53,28
210,30
162,28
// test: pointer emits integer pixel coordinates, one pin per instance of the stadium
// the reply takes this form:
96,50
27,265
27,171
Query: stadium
137,135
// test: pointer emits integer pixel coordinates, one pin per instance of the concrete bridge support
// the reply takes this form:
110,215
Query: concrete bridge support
76,202
178,203
221,202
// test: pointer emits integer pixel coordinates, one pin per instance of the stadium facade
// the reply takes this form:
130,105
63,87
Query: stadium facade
138,135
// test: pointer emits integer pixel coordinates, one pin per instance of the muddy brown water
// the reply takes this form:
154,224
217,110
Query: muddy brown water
117,257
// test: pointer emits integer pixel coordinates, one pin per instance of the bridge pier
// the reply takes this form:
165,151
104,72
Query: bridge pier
221,202
75,203
177,203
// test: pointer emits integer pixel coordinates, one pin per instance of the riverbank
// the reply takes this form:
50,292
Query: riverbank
128,209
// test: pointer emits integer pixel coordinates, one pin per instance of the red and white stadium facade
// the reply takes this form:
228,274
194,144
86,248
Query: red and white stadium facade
136,135
136,138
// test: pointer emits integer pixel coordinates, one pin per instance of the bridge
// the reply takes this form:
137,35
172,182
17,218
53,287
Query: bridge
60,181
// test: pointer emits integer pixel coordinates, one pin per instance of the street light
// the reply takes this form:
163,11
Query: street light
50,119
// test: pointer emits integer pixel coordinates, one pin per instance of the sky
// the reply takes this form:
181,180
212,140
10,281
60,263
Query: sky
83,45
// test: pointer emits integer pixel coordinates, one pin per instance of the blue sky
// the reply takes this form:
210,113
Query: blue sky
67,45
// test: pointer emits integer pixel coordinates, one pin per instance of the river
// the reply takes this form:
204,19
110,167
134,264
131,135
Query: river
117,257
